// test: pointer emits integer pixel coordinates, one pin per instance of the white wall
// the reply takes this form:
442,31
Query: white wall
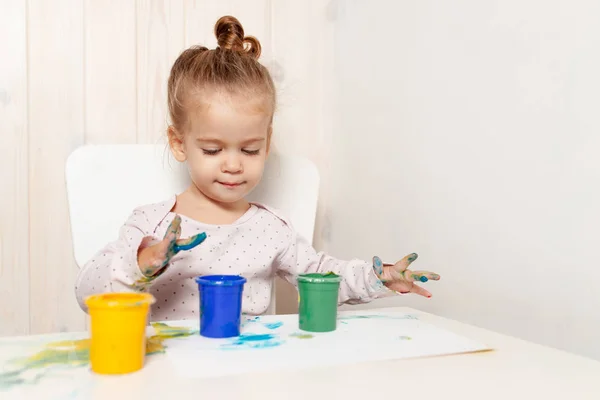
468,132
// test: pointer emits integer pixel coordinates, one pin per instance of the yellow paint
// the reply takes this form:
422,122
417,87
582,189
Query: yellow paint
154,344
71,352
118,331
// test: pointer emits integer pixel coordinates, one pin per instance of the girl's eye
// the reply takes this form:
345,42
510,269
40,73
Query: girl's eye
211,152
251,152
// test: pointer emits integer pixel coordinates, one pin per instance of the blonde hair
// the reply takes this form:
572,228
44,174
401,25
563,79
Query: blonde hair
232,67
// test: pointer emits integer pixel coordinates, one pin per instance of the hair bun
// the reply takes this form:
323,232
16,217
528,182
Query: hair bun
230,36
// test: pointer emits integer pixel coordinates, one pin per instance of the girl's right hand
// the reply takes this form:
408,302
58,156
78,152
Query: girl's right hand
154,259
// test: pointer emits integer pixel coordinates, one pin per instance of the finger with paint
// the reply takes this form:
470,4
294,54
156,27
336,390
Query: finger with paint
399,278
154,259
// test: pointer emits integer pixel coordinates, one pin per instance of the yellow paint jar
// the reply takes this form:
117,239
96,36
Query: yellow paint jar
118,331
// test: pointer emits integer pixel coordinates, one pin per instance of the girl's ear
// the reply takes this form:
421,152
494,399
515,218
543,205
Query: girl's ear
176,144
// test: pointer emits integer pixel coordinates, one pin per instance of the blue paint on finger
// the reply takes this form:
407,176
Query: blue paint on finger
377,265
190,243
423,279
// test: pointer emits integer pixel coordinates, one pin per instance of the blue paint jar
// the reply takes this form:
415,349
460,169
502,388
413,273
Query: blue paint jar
220,305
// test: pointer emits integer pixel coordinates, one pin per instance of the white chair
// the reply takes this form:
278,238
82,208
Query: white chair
106,182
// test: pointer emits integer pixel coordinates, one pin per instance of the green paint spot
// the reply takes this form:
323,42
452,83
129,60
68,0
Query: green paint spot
376,316
299,335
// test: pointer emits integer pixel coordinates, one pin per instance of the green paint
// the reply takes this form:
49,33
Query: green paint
412,257
299,335
377,316
318,301
417,277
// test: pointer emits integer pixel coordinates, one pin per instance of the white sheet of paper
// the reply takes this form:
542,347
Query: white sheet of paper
274,342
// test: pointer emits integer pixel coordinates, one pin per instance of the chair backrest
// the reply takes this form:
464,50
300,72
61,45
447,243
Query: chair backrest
106,182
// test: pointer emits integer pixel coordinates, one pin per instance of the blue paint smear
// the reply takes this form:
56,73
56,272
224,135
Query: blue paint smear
249,320
253,341
274,325
251,337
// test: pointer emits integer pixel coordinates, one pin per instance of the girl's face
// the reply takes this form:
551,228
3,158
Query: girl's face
225,145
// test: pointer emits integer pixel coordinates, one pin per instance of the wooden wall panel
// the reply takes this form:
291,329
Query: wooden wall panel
110,71
14,203
56,127
302,53
160,39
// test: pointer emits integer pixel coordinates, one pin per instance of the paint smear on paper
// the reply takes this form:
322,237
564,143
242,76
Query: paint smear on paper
76,353
300,335
376,316
273,325
253,341
257,320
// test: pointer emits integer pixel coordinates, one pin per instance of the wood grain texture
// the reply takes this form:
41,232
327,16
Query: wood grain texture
110,71
302,67
56,125
160,39
14,210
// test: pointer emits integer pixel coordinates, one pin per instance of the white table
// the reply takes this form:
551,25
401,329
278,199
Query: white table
516,369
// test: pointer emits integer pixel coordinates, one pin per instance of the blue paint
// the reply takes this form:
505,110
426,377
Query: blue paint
378,265
273,325
253,337
191,242
253,341
249,320
423,279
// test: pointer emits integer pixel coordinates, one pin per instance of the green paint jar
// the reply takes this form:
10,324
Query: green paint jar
318,296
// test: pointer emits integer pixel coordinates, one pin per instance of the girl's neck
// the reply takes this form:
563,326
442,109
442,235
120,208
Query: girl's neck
195,205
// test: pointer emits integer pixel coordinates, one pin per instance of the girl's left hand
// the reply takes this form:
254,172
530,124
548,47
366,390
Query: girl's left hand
399,278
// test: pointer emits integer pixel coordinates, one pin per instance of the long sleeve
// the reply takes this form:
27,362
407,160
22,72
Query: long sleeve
114,268
359,283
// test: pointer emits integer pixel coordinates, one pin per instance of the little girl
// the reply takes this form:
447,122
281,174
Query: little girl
221,105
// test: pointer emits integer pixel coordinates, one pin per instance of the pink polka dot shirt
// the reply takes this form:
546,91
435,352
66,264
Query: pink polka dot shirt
257,246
